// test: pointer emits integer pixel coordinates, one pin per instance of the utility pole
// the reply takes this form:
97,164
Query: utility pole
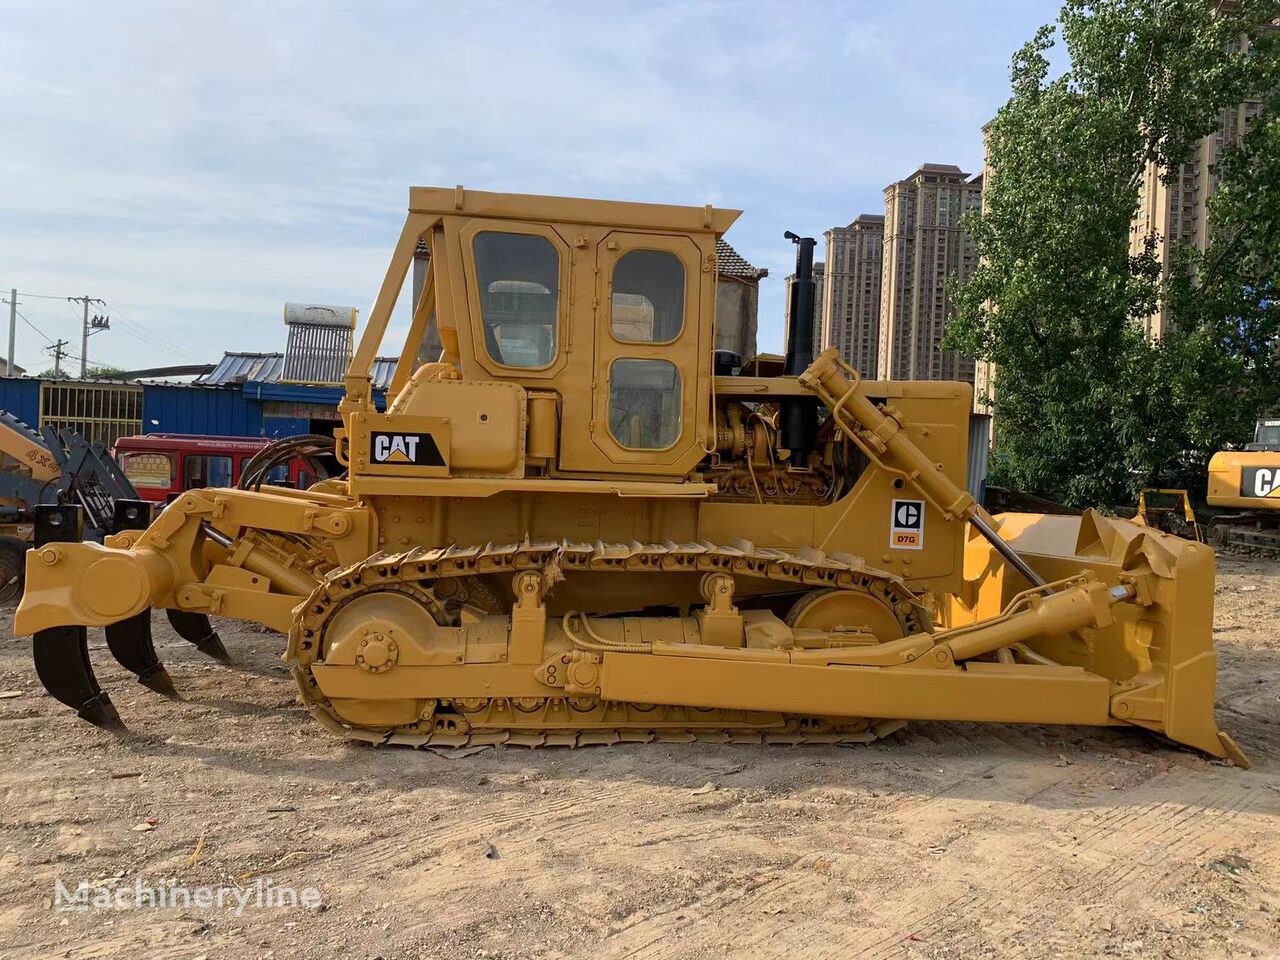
98,323
13,325
58,353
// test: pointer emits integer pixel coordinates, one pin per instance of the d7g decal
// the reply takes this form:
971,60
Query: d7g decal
906,526
405,449
1260,482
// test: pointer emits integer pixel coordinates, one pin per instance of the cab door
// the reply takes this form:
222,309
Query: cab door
650,384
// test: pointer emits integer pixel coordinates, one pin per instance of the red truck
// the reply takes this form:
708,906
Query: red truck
163,465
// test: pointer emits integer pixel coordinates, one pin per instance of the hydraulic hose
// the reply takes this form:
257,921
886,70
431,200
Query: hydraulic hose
597,643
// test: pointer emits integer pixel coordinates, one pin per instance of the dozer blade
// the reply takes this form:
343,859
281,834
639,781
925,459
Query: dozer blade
1157,656
196,629
62,664
130,642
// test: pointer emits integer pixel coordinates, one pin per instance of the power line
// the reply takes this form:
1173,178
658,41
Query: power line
136,332
41,296
149,335
46,337
58,353
134,328
143,336
61,354
89,327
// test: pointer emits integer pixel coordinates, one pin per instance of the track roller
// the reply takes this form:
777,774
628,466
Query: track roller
62,664
130,642
196,629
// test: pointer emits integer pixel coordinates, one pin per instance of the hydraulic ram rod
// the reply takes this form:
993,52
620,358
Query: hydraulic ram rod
255,559
883,440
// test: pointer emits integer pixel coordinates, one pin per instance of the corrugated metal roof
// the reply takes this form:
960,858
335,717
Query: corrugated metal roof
384,368
240,367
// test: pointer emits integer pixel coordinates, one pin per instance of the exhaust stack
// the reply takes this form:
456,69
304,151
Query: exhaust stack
799,416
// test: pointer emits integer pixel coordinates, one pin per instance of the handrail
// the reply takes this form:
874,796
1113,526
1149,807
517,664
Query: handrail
357,380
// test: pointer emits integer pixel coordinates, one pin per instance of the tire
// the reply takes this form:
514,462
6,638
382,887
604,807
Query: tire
13,558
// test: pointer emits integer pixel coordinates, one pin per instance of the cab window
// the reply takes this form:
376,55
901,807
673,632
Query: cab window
648,296
519,279
644,403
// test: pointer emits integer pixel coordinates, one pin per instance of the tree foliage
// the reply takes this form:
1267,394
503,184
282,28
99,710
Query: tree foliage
1088,409
94,371
102,371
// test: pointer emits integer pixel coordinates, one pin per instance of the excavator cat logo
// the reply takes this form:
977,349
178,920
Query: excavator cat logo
1260,482
407,449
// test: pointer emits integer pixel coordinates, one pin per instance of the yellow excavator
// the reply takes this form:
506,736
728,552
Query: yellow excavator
580,524
1248,482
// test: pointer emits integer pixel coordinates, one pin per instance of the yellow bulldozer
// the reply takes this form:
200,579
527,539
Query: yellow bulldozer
581,523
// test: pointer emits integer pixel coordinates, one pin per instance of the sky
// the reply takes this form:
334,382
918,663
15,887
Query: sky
196,165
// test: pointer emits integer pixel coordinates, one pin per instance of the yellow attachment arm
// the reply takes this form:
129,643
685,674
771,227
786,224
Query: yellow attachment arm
17,442
881,436
237,553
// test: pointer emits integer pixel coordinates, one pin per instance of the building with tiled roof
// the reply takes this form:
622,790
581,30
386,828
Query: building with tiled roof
737,301
730,263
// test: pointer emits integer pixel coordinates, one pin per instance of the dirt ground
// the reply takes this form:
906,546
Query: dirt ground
945,840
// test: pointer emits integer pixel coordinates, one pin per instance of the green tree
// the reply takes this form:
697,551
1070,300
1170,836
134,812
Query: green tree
102,371
93,371
1087,408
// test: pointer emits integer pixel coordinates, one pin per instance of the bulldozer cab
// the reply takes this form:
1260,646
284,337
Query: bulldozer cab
595,317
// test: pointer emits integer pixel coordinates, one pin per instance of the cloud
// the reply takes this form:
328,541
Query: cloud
201,163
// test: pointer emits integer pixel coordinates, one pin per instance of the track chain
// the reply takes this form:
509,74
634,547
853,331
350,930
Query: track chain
472,724
1245,542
